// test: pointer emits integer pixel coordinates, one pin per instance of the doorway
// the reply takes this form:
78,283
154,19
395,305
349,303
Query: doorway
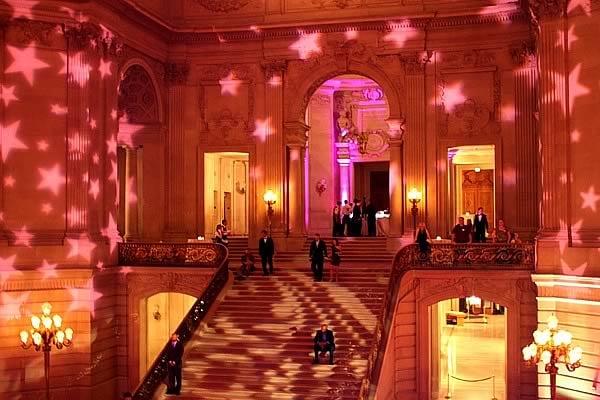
371,179
468,350
225,192
472,181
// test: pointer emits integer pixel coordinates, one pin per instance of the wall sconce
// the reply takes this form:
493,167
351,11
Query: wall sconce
270,199
156,314
414,196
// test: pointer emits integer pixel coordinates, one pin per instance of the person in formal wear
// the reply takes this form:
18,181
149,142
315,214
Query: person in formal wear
247,266
324,342
501,234
218,237
224,232
470,229
422,238
356,218
371,219
174,363
266,250
336,260
460,232
338,228
346,211
317,255
480,226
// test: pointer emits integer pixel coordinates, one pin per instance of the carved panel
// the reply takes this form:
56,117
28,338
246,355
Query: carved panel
471,118
227,127
197,254
223,6
24,32
137,96
469,59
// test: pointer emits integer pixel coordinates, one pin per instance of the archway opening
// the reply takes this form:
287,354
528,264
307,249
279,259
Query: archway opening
348,154
468,349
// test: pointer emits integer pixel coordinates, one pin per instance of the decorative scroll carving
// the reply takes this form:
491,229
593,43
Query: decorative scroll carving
223,6
335,3
88,35
226,127
176,73
546,8
186,254
414,63
27,31
137,96
469,58
186,329
441,257
524,55
469,118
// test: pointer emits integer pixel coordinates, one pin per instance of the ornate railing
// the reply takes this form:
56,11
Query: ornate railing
445,257
179,254
190,323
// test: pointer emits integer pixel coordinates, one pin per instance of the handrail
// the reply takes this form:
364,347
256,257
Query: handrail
441,256
174,254
188,326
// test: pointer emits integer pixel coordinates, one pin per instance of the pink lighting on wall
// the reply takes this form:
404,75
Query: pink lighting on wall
586,6
230,85
262,129
275,81
81,247
105,68
94,188
575,136
452,97
57,109
11,306
51,179
48,270
9,181
111,232
23,237
590,198
307,45
7,94
7,268
46,208
575,88
10,142
84,299
570,38
400,35
351,34
23,8
577,271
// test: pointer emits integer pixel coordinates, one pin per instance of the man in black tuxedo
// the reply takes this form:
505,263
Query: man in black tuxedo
318,252
356,218
480,226
174,355
324,342
372,219
266,249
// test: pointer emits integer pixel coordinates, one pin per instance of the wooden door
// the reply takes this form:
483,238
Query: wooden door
478,191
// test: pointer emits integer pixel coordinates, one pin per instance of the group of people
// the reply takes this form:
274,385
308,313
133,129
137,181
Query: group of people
354,219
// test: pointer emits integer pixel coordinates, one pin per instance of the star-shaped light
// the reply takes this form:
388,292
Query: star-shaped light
575,136
96,158
399,35
57,109
42,145
577,271
576,89
9,181
23,9
79,70
275,81
111,146
453,96
570,38
94,188
47,208
81,247
590,198
48,270
105,68
125,270
10,307
7,268
586,6
23,237
65,63
263,129
93,123
307,45
351,34
9,139
230,85
112,233
24,62
84,299
8,94
100,265
113,172
52,179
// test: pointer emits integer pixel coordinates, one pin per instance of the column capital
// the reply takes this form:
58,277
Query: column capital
273,68
176,73
86,35
395,129
547,9
295,133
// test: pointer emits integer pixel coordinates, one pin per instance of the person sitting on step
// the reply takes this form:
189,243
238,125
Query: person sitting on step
247,266
324,342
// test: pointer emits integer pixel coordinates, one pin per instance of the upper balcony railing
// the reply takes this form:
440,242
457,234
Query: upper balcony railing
172,254
440,257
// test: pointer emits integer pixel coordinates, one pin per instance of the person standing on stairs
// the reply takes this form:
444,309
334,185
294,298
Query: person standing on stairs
174,355
336,259
266,250
317,255
324,342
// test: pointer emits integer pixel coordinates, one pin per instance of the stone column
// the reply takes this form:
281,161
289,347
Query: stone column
343,160
274,177
553,115
176,77
131,205
397,205
295,137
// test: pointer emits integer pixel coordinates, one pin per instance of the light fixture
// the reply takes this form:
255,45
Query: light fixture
414,196
552,346
477,169
156,314
270,198
46,331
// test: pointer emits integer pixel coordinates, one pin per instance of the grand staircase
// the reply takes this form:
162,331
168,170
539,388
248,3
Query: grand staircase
259,343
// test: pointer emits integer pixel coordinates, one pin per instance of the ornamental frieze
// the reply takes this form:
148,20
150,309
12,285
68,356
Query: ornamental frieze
223,6
24,31
469,58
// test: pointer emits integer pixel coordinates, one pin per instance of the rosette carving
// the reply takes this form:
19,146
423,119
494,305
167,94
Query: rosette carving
223,6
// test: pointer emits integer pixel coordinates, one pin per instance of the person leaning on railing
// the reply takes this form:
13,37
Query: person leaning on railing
422,238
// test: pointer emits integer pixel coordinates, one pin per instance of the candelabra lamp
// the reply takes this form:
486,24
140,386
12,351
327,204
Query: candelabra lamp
270,199
414,196
46,331
552,346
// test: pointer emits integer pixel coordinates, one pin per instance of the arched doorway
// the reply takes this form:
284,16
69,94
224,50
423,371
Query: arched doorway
348,157
468,349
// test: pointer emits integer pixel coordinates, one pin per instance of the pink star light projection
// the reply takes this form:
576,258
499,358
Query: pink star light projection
46,208
105,68
575,136
577,271
42,145
11,306
84,299
571,38
453,96
23,9
9,181
9,139
307,45
81,247
590,198
586,6
57,109
23,237
263,129
399,35
48,270
94,188
7,268
351,34
230,85
7,94
113,171
575,88
112,233
52,179
24,62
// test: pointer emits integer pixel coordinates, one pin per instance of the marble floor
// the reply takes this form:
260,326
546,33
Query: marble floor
471,352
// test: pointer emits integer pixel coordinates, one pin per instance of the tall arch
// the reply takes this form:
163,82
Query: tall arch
309,84
139,92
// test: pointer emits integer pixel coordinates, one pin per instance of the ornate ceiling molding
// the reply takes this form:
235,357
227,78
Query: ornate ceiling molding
223,6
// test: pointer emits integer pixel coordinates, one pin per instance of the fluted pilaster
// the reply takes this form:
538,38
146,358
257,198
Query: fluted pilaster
397,205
